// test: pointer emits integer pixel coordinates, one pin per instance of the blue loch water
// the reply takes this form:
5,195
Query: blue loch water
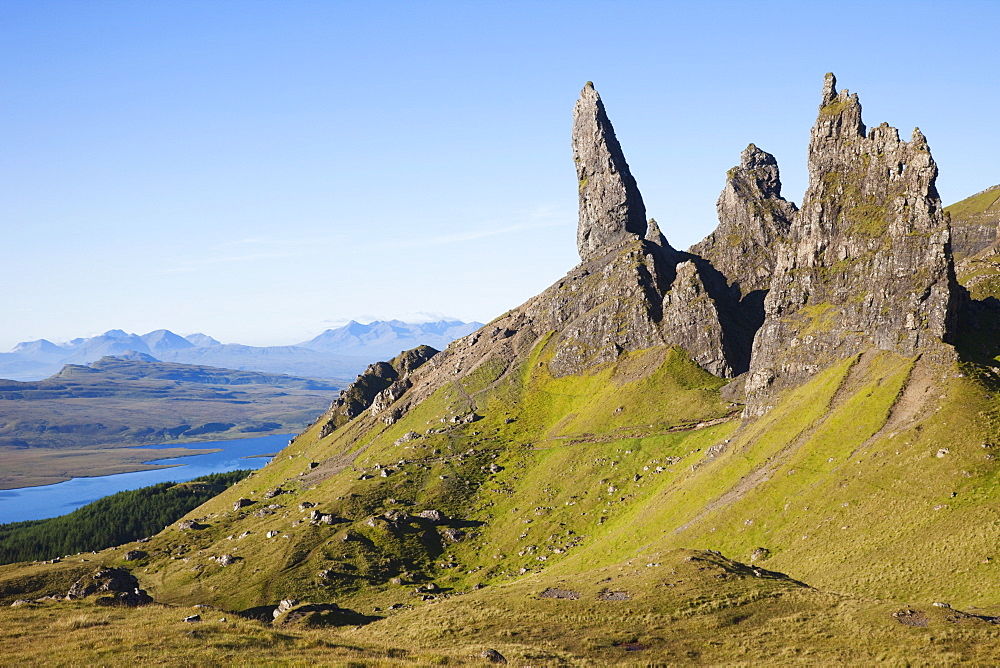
37,503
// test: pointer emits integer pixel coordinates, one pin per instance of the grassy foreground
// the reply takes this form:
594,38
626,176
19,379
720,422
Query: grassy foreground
684,608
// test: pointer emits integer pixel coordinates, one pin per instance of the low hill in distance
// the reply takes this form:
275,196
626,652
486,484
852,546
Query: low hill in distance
76,421
339,354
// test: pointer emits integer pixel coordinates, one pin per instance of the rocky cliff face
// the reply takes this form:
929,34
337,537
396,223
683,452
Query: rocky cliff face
753,219
740,255
380,385
632,291
867,262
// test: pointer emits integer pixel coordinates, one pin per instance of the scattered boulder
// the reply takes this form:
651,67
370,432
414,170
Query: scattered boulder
322,518
614,596
760,554
277,491
452,534
435,516
191,525
493,656
321,614
193,618
552,592
225,559
408,436
122,587
911,618
285,604
134,555
126,599
242,503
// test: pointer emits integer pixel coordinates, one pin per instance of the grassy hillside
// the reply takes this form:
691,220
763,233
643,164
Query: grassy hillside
975,221
572,508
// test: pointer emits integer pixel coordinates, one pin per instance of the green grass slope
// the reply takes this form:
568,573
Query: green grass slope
876,483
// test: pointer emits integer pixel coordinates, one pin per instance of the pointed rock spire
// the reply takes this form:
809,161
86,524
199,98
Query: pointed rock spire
611,208
839,113
654,235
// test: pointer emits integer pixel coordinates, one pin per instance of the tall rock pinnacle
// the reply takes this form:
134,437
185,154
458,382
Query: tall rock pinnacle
611,208
868,259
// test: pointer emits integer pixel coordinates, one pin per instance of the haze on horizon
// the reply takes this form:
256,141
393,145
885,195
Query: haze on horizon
261,172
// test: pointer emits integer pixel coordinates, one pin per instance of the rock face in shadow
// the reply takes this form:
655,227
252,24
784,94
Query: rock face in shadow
753,219
611,208
868,258
739,256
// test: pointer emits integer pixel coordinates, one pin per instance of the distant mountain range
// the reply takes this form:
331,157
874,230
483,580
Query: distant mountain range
339,354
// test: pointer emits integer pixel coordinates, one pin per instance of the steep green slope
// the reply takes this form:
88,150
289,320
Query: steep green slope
975,222
569,485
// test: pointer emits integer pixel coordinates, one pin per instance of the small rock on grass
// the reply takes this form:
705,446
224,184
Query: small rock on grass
493,656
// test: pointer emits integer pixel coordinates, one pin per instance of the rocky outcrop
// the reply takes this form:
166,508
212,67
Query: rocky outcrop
753,219
738,258
376,389
867,262
692,319
611,208
120,588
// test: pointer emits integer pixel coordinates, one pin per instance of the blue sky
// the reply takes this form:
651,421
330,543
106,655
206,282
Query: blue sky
263,170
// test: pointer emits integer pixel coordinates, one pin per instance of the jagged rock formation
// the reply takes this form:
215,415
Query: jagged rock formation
628,294
868,259
611,208
380,385
739,256
690,311
753,219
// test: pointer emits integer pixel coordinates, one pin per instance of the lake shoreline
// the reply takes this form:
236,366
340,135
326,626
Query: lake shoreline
67,487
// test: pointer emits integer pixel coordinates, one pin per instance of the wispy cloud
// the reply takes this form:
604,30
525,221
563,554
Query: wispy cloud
540,218
192,265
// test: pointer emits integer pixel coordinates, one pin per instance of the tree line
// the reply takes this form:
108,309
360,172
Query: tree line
113,520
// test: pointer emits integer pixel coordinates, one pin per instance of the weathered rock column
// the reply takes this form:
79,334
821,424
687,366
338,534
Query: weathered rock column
611,208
